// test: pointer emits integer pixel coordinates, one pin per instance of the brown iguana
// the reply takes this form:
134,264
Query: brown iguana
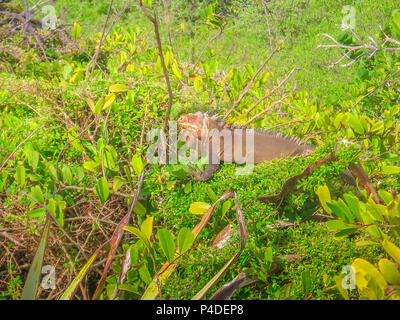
203,132
200,129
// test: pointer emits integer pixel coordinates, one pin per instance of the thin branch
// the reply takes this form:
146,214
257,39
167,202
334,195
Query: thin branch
270,107
21,144
96,54
245,90
272,91
160,52
267,13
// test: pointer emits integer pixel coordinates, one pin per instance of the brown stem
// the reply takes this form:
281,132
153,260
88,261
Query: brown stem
160,52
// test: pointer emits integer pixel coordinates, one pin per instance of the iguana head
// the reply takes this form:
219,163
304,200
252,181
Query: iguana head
196,122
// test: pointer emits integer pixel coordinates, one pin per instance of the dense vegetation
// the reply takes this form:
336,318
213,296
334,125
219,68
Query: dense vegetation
77,102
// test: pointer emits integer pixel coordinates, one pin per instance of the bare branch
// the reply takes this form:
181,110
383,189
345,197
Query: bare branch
245,90
160,52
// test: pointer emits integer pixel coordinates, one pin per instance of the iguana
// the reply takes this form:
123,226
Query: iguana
203,133
200,128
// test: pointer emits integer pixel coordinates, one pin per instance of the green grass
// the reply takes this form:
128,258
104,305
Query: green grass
301,23
168,198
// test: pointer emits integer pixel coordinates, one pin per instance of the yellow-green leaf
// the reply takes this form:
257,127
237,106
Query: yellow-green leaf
199,207
390,170
137,164
37,194
77,30
392,250
389,271
20,175
366,273
108,101
116,88
140,235
147,227
185,240
99,106
176,70
102,189
324,197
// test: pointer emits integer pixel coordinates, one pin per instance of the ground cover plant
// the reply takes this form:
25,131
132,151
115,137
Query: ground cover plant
85,213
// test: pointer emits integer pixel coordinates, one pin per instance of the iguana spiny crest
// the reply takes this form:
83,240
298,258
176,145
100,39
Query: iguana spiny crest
200,129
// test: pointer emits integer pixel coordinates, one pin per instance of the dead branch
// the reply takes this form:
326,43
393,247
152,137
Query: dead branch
160,52
245,90
272,91
366,49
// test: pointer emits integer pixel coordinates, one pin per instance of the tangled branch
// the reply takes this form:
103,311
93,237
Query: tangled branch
366,49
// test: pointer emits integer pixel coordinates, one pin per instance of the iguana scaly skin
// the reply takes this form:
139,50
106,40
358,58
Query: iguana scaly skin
200,129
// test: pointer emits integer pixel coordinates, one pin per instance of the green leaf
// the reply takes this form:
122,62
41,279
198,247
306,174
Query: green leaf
199,207
99,106
142,237
390,170
356,124
145,274
147,227
225,208
188,188
286,291
368,279
37,194
306,281
345,232
198,84
340,209
335,225
33,158
167,243
116,88
385,196
176,70
67,175
134,255
389,271
118,182
139,209
20,175
365,243
211,194
33,277
38,213
92,166
68,293
353,204
3,180
137,164
324,197
77,31
102,189
396,20
185,240
53,172
268,257
90,103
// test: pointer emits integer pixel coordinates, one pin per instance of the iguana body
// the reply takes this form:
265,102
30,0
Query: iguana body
204,132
